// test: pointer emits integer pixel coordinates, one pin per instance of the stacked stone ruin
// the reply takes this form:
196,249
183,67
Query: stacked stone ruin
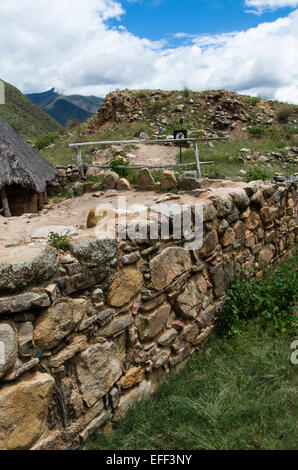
87,332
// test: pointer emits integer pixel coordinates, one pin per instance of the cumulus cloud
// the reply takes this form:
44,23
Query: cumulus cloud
69,45
262,5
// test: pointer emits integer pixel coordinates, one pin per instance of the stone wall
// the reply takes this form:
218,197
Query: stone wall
85,333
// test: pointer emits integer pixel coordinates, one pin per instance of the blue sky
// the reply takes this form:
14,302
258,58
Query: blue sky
97,46
161,19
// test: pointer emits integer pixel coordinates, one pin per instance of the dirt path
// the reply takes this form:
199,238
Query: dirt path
144,155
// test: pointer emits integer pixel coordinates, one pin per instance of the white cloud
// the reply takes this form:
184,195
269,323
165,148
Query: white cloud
262,5
69,45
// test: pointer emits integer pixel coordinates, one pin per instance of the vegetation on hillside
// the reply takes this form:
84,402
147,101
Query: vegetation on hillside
259,136
24,116
238,393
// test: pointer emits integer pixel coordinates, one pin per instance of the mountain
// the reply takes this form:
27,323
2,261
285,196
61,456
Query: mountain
66,108
24,116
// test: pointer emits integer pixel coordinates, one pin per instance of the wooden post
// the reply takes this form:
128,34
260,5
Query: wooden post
5,204
80,162
198,159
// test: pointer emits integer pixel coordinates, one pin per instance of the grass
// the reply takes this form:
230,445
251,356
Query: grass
239,394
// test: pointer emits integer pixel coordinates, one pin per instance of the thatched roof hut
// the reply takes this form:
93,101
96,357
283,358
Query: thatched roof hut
23,172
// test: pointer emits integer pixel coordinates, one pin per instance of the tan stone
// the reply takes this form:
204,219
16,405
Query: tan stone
127,284
132,377
145,180
200,283
8,348
265,255
77,345
210,242
252,221
268,214
23,411
58,321
151,325
168,180
123,185
188,303
169,264
239,229
98,368
229,237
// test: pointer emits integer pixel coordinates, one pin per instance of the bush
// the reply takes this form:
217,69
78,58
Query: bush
61,242
45,140
73,123
271,298
284,113
120,161
256,131
255,173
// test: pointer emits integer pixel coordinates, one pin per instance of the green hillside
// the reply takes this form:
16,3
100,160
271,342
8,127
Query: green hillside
24,116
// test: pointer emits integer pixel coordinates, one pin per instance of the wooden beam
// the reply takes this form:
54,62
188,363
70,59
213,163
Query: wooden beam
156,141
80,162
198,159
5,204
138,167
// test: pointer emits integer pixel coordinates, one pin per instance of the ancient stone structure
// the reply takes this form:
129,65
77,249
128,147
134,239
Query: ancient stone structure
84,334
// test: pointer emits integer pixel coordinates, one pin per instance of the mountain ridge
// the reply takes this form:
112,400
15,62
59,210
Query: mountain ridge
65,108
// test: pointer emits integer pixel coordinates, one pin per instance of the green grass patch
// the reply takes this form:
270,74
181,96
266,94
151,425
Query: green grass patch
271,297
240,394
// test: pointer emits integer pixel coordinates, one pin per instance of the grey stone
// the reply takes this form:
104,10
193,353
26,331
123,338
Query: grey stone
25,338
25,266
116,326
23,302
98,368
96,254
8,348
131,258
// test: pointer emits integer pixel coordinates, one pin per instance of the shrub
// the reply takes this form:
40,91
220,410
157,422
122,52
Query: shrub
186,92
271,298
45,140
120,161
256,131
284,113
255,173
73,123
61,242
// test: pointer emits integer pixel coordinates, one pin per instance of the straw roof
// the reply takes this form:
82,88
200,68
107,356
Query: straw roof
20,164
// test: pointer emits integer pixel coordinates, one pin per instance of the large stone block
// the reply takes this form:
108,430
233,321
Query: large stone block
97,255
98,368
169,264
23,411
188,303
8,348
151,325
25,266
23,302
58,322
145,180
126,285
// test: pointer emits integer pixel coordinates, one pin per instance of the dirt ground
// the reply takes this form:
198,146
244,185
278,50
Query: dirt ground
72,214
159,154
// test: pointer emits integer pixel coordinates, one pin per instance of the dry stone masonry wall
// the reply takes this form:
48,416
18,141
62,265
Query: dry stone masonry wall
85,333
